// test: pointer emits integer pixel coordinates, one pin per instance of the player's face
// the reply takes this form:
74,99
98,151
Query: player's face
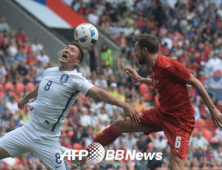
139,55
69,56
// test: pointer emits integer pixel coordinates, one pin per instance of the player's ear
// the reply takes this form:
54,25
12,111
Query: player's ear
77,62
145,50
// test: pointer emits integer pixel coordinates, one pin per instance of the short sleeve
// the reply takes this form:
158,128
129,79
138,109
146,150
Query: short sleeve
178,70
81,84
45,72
48,70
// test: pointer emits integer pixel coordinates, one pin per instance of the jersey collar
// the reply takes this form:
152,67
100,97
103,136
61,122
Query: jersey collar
74,71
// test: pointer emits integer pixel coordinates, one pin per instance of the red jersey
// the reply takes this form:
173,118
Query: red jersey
169,78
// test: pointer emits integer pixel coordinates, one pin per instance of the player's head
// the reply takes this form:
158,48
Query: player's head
72,55
146,45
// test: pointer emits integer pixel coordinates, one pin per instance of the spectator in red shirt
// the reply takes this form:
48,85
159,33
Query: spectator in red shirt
32,58
1,38
21,35
28,48
122,40
21,45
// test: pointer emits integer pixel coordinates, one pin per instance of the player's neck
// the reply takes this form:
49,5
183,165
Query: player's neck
63,68
152,60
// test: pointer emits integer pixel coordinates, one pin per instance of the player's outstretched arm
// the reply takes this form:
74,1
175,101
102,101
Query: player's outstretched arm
24,100
104,96
215,113
133,74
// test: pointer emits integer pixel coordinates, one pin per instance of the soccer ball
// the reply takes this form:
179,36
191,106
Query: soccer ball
86,34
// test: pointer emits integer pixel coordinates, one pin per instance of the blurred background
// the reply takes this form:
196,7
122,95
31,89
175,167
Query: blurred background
33,33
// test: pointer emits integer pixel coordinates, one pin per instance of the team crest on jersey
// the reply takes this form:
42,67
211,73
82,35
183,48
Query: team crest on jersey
140,114
64,78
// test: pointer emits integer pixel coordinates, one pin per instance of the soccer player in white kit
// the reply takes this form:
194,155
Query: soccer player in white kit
55,94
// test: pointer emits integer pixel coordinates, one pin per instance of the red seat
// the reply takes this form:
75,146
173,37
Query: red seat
200,122
150,145
195,131
9,86
147,96
20,87
210,122
143,88
207,134
30,87
211,125
77,146
70,134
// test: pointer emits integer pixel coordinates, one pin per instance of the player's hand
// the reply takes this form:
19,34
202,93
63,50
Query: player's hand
132,114
216,117
132,73
22,103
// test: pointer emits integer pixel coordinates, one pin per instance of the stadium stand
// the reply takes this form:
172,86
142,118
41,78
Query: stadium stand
189,31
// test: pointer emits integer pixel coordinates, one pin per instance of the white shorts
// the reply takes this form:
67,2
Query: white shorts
29,139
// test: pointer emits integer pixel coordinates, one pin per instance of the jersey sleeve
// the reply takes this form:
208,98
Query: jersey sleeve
178,71
48,70
45,72
81,84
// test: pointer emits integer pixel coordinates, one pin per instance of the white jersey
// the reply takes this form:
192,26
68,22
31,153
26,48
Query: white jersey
57,92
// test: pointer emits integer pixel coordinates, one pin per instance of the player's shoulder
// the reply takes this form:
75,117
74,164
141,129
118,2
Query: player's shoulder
163,61
74,73
49,70
166,62
76,76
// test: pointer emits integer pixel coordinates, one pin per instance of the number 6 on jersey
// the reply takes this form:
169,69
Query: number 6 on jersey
177,142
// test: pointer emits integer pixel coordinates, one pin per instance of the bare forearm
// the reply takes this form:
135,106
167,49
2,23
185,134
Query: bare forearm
134,75
32,94
147,81
106,97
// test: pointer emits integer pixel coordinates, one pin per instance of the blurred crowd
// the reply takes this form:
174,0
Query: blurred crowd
189,31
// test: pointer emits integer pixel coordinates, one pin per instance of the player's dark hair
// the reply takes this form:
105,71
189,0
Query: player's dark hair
149,41
81,54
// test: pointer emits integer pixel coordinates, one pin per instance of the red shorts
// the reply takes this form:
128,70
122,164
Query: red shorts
176,129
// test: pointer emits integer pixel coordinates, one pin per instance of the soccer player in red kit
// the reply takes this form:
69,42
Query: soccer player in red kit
175,115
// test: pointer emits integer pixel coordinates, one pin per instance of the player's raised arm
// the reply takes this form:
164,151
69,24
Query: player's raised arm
24,100
133,74
108,98
215,113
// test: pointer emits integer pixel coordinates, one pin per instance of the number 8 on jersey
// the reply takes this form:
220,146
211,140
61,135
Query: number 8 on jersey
47,86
